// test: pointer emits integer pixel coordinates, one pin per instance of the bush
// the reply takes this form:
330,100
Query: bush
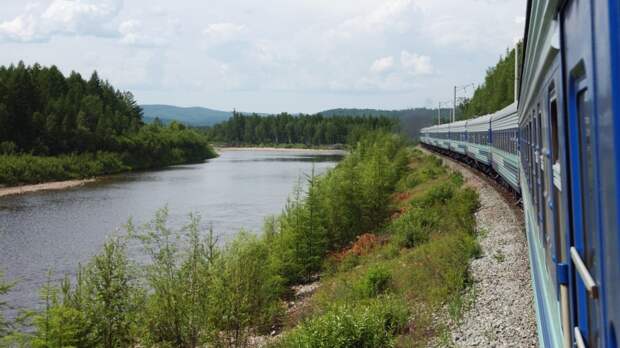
244,294
28,169
101,309
366,325
7,148
375,282
413,227
5,325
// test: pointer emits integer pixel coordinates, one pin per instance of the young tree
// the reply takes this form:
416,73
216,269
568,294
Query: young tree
5,325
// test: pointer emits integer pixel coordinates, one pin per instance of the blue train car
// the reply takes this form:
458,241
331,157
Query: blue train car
458,137
504,149
441,136
569,130
562,152
478,139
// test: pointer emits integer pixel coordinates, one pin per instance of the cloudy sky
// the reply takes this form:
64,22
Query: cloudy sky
269,55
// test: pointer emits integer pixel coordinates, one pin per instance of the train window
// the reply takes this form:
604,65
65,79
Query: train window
541,173
529,156
535,164
587,168
587,155
556,170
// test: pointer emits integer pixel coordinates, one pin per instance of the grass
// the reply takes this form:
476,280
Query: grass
419,259
499,257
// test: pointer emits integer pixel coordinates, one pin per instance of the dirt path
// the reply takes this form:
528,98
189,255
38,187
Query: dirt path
502,314
57,185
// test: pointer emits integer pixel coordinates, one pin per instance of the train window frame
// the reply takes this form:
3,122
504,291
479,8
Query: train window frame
559,253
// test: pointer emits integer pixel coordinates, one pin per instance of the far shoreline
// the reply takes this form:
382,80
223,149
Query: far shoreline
67,184
279,149
47,186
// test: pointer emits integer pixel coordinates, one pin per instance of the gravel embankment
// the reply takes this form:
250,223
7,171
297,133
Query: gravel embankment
502,314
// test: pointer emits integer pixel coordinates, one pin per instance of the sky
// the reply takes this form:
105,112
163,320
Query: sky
270,55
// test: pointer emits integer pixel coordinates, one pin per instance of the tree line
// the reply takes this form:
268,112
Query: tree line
50,124
497,91
309,130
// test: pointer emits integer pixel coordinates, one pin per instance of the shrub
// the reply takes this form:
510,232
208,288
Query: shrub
5,325
100,309
413,227
7,148
375,282
244,294
366,325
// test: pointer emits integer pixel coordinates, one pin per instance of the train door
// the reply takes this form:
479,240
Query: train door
582,119
557,200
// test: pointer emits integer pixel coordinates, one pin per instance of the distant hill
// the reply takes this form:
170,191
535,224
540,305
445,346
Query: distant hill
411,120
193,116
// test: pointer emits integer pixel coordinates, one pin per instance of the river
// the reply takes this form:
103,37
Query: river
57,230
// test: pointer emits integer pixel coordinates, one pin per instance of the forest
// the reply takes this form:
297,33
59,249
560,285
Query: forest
54,127
496,92
306,130
389,232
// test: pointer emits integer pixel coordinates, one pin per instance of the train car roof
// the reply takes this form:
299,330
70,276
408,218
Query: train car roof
506,118
479,124
458,126
442,128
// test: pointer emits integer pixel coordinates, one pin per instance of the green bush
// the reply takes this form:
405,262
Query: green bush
5,325
28,169
365,325
413,227
244,293
101,309
7,148
375,282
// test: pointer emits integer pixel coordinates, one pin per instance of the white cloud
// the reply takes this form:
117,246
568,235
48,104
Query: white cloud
134,33
218,33
382,65
387,14
22,28
416,64
62,17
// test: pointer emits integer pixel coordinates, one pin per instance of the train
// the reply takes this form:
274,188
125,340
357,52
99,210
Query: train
558,147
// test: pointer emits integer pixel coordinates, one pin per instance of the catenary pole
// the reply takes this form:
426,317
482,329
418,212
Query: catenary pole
454,106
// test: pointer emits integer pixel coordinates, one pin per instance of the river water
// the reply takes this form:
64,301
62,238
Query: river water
57,230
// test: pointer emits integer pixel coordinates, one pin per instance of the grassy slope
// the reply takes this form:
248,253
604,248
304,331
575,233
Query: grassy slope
385,289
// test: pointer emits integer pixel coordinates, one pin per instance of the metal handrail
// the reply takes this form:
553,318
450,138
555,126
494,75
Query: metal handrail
588,281
579,339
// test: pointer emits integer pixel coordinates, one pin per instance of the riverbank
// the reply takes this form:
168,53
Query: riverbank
48,186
